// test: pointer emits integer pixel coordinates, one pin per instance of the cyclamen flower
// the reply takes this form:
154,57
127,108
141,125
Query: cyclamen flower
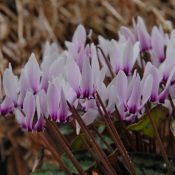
132,94
169,63
123,55
26,119
76,74
77,47
85,81
156,94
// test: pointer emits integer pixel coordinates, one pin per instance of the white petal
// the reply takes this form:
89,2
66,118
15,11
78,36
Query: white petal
19,117
88,118
53,99
147,89
87,85
29,108
33,73
73,74
79,36
121,86
10,84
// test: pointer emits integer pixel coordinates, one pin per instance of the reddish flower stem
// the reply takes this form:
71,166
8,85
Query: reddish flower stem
57,134
92,142
107,62
50,145
114,134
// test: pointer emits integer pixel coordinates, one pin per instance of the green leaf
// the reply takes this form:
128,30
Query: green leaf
101,142
144,125
78,144
84,159
100,125
66,129
149,164
69,163
48,169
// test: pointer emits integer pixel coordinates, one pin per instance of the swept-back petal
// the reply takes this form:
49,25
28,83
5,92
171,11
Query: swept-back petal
73,74
53,98
57,67
10,84
88,118
142,34
79,36
127,57
158,47
29,109
146,89
87,84
20,118
135,97
121,86
7,106
33,73
63,111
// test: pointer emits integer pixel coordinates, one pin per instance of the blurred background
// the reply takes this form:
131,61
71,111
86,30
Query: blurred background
25,25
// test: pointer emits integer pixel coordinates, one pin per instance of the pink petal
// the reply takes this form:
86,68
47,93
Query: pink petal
43,102
135,97
146,89
164,93
20,118
87,86
53,98
158,47
95,63
128,34
29,109
57,67
121,86
10,84
127,57
7,106
33,73
63,109
115,54
143,35
88,118
79,36
73,74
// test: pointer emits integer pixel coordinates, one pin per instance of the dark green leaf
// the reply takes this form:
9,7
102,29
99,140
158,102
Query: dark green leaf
158,114
66,129
149,164
78,144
